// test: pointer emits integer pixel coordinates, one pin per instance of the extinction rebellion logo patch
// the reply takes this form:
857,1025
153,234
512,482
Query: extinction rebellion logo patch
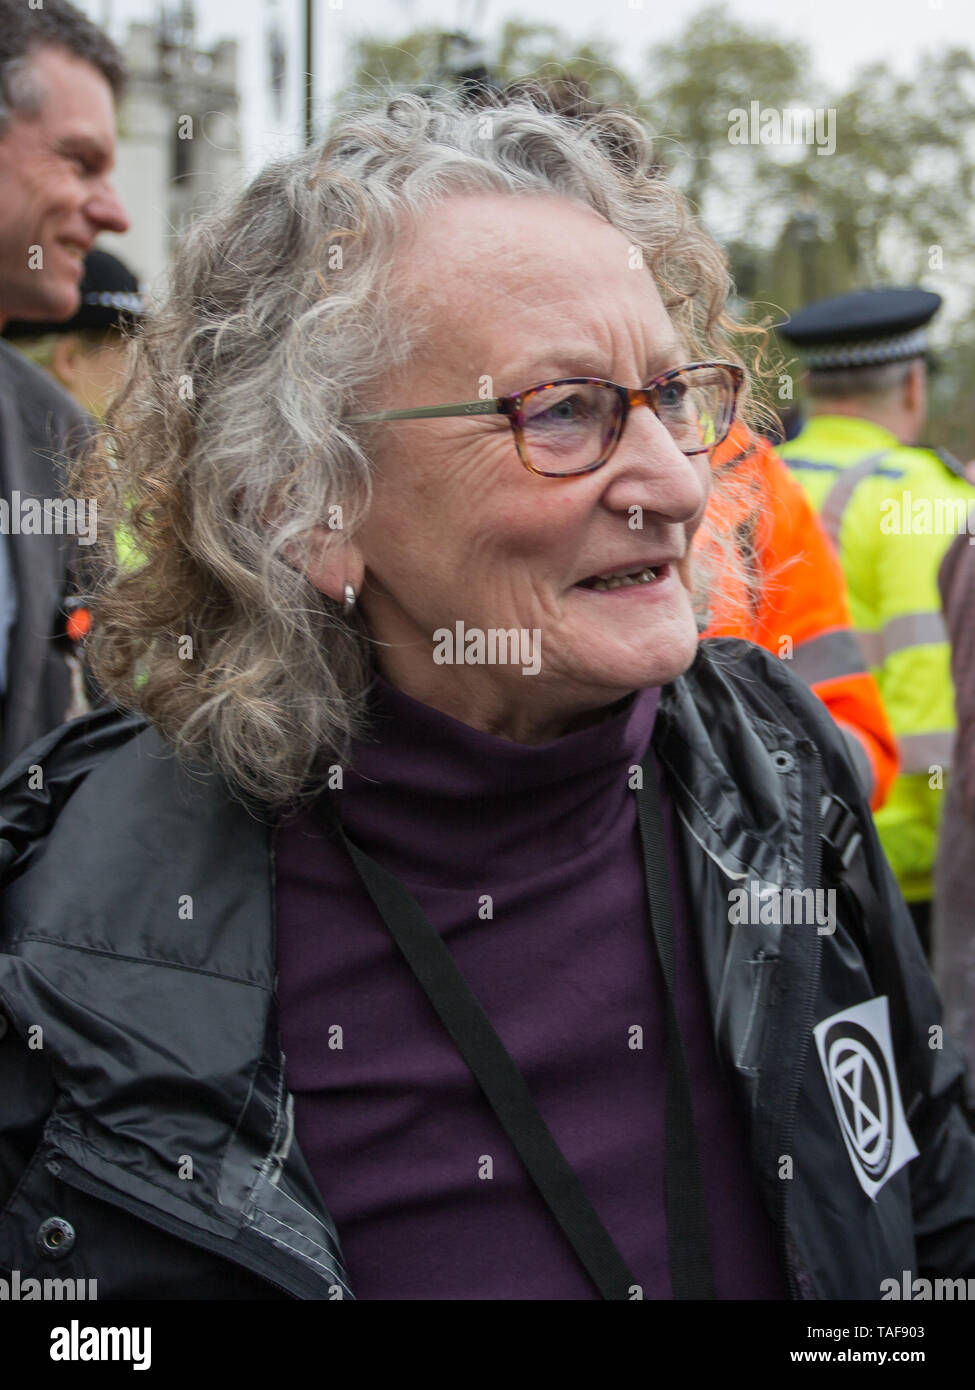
858,1061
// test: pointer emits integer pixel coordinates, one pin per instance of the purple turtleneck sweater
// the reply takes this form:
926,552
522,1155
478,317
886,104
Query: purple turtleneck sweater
527,861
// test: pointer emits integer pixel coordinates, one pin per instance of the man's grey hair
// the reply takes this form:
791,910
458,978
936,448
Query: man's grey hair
55,24
849,383
231,441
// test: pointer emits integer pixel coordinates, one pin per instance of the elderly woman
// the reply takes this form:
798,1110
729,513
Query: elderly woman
486,937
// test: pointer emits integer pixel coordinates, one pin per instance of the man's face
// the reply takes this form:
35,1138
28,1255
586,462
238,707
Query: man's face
55,194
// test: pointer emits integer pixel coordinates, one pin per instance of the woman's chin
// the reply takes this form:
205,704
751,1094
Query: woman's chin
622,672
626,664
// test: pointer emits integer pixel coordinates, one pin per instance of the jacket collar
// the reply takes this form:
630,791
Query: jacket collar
734,777
746,790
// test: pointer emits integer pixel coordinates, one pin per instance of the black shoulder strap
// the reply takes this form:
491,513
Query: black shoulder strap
507,1093
687,1233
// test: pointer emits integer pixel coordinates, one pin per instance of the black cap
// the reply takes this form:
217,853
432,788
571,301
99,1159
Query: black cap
110,298
864,328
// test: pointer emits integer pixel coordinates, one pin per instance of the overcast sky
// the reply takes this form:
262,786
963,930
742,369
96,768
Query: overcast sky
843,34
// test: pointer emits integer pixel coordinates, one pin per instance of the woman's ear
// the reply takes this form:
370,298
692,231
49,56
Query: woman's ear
331,566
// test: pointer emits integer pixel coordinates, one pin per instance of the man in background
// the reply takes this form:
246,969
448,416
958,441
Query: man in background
59,79
885,500
789,596
87,354
953,923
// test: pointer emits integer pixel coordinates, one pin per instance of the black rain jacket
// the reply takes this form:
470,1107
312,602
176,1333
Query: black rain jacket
142,1044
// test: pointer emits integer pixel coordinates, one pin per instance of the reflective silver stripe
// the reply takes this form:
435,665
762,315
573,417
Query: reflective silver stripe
913,630
872,646
838,497
827,656
921,752
905,631
861,761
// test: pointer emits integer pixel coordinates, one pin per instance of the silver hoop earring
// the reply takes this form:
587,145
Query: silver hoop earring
349,603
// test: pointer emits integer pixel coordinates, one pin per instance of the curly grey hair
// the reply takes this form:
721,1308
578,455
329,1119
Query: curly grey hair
229,443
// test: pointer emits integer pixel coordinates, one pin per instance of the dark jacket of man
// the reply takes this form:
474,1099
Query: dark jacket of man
40,425
146,1131
953,933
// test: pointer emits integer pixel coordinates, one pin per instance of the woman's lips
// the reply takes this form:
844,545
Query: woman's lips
645,581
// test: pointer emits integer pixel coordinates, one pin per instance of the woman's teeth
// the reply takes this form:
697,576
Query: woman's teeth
619,581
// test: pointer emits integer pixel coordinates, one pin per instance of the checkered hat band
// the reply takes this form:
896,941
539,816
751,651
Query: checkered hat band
115,299
871,353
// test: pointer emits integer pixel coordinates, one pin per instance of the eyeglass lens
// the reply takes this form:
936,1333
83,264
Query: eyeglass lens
569,426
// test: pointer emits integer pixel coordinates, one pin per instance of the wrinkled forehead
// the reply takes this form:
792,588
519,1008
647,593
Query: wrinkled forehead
483,269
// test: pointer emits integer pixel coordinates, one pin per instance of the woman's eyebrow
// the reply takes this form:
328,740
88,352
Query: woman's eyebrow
665,360
578,360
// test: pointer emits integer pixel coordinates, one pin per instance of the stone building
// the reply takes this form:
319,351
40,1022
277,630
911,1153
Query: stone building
179,136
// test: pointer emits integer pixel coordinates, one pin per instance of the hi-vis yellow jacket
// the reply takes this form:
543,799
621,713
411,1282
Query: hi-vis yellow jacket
892,512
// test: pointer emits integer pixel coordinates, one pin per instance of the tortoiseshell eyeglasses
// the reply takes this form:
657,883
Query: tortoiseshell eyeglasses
571,426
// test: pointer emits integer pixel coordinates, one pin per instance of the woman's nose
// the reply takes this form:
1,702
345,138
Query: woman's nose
649,471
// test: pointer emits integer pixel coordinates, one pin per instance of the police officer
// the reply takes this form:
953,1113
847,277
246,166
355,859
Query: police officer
87,354
891,506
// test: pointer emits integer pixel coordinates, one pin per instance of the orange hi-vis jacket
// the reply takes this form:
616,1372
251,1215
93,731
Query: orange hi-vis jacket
794,602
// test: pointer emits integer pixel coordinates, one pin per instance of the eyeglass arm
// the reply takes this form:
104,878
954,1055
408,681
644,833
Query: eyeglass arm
430,412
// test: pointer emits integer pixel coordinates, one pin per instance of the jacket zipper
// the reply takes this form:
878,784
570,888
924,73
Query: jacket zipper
815,859
68,1171
813,851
